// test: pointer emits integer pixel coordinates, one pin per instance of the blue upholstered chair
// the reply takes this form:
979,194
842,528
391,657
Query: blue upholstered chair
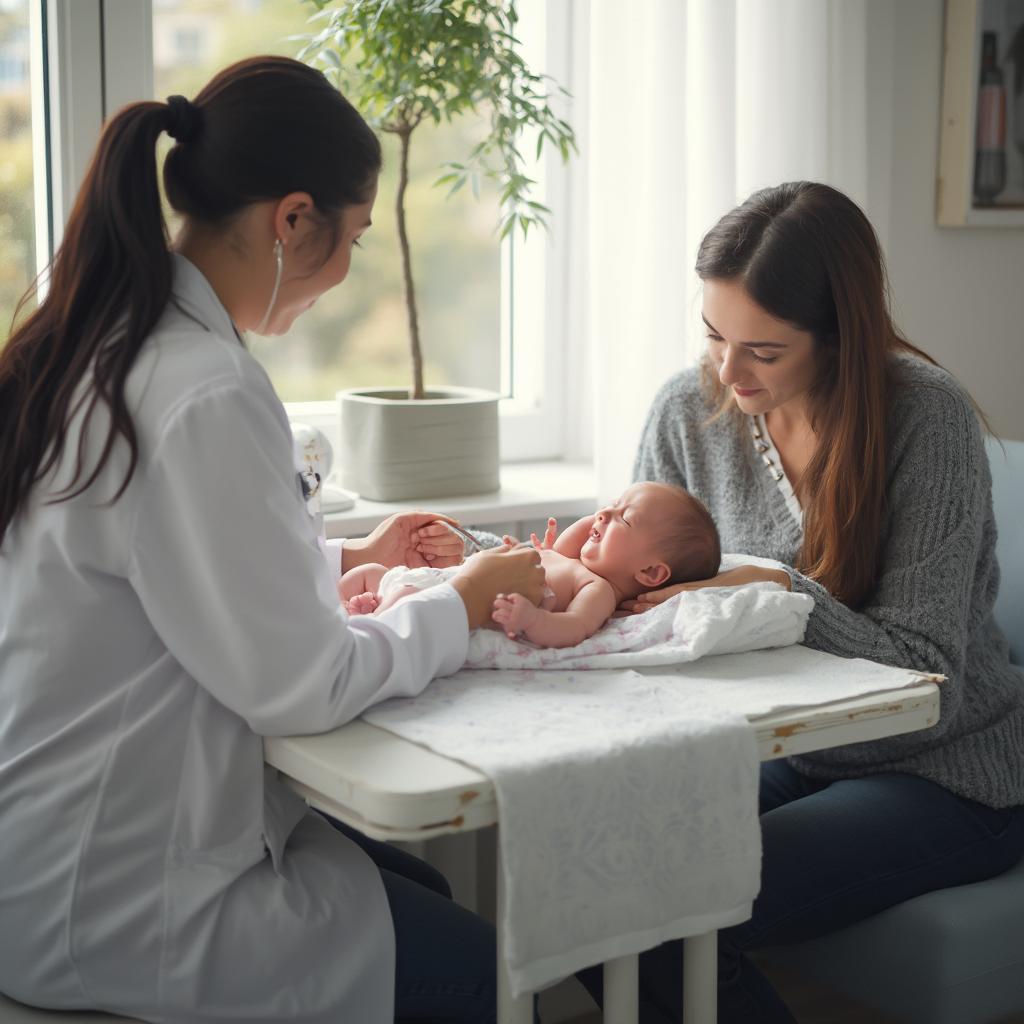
955,956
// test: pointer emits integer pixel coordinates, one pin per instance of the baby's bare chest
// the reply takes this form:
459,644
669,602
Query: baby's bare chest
565,576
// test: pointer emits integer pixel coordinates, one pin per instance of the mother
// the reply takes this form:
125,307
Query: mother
818,436
165,603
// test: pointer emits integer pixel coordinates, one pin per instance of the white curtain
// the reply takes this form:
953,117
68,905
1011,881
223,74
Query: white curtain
690,105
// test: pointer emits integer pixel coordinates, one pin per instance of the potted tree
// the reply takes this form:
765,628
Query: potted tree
403,63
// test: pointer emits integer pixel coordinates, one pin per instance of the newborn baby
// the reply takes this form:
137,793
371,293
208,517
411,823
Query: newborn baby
653,536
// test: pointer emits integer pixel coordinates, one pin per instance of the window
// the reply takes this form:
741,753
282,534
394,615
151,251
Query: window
188,45
485,310
17,180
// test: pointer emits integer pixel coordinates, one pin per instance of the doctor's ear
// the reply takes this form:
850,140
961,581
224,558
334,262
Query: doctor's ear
289,224
654,575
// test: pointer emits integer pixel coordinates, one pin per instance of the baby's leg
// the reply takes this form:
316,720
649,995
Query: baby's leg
374,601
396,595
357,582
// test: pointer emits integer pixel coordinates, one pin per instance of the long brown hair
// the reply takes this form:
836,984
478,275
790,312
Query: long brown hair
261,129
807,254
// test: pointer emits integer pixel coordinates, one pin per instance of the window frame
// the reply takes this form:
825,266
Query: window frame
82,84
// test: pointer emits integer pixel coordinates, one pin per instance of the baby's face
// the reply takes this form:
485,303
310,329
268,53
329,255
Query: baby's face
623,539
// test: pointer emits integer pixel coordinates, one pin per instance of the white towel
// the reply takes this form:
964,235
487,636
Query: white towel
695,623
628,807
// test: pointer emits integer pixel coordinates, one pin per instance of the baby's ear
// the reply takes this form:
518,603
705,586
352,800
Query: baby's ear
654,575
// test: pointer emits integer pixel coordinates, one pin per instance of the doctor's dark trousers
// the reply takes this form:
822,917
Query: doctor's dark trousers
445,956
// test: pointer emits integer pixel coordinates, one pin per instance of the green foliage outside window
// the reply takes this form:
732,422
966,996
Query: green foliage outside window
408,62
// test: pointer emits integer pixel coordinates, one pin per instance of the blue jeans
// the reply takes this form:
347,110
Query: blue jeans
834,853
445,956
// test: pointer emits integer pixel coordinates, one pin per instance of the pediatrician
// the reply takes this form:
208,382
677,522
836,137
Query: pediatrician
820,437
165,603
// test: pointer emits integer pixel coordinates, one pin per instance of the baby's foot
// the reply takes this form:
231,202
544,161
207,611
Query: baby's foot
513,613
362,604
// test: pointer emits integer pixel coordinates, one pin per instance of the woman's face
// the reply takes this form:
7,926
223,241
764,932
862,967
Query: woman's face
766,363
300,286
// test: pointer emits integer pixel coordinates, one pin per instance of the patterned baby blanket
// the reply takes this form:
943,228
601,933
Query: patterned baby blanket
716,620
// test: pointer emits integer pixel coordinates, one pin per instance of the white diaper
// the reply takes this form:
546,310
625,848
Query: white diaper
422,578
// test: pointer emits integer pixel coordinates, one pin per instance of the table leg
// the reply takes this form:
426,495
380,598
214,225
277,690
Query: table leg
622,990
700,979
511,1009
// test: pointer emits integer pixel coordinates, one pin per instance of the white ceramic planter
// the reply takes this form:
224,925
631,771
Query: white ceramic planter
395,449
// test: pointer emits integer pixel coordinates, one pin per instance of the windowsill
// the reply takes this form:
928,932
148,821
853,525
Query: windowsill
529,490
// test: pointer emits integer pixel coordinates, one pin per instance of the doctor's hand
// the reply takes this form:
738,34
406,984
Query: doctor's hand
505,570
730,578
407,538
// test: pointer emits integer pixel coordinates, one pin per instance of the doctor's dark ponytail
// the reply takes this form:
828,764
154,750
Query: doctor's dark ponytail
259,130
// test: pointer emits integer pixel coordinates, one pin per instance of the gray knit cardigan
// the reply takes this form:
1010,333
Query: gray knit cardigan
932,606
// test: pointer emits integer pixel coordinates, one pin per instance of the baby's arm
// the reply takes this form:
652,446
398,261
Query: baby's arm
587,612
571,540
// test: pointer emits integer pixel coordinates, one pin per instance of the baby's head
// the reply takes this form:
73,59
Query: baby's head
655,535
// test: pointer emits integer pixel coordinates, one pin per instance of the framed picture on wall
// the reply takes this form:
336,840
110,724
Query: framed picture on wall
980,178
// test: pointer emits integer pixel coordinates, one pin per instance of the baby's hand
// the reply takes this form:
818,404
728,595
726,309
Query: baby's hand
362,604
513,613
550,536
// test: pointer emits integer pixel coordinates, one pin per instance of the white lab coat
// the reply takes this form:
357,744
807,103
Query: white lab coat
149,863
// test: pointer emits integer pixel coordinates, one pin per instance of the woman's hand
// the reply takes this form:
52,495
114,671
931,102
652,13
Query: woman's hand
505,570
407,538
731,578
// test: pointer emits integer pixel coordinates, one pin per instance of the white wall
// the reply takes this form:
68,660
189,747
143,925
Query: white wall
958,292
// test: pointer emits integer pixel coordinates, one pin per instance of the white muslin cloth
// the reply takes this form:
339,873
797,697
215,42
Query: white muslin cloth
628,807
695,623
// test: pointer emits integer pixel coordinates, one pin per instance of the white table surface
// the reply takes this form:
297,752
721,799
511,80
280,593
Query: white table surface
392,788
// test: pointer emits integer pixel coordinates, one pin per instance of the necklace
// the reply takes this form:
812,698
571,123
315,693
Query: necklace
763,449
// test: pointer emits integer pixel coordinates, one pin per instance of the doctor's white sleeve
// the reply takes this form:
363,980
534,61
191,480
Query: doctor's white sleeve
224,558
333,552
